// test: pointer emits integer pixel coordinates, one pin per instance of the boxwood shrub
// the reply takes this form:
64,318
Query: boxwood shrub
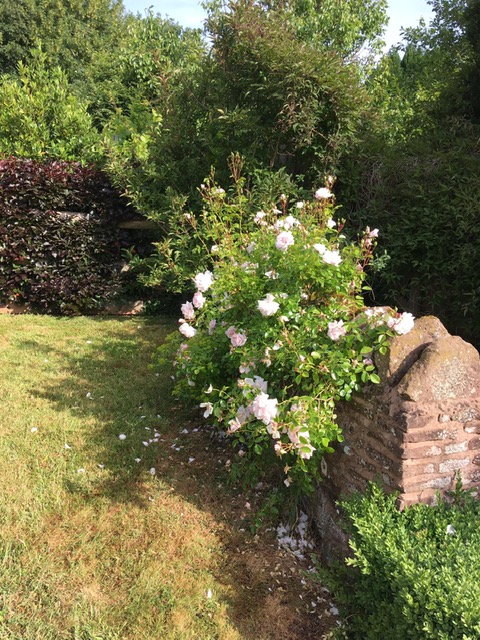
60,247
414,574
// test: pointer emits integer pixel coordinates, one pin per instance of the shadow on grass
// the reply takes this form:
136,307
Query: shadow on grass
106,383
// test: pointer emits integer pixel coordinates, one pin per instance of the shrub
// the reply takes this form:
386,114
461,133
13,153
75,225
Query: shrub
414,574
49,258
427,203
277,332
41,118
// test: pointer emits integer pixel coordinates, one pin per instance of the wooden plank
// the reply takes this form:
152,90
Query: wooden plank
138,224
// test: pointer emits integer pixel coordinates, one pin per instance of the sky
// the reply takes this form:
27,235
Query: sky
189,13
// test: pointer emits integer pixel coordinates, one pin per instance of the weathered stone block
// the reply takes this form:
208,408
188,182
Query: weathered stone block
448,368
405,350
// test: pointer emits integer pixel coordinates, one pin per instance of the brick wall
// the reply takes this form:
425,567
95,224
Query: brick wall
414,431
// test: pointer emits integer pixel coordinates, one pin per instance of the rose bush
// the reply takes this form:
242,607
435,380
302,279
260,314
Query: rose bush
278,332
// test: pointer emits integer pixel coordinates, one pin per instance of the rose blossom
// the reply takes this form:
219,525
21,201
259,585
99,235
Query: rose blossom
211,326
198,300
238,339
187,330
243,414
332,257
331,223
230,331
287,223
273,431
264,408
403,324
321,248
336,330
306,451
234,425
268,306
203,281
271,274
323,193
284,240
257,383
188,311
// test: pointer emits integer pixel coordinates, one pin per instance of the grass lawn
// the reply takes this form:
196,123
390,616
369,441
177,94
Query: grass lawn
141,538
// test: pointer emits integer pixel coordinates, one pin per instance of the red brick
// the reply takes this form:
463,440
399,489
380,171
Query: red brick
419,483
428,434
419,450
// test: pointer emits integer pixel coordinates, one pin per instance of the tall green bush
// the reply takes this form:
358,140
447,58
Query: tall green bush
40,117
426,202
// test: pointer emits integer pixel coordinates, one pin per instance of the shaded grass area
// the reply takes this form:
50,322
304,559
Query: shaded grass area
103,538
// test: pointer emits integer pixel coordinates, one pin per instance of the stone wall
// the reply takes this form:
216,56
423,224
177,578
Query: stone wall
413,432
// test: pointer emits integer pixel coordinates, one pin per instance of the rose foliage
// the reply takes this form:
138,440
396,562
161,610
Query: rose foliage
277,333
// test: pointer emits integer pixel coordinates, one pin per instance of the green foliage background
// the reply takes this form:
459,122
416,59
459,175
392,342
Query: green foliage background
290,87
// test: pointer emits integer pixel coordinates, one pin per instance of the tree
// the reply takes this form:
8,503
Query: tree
41,118
71,32
17,32
348,27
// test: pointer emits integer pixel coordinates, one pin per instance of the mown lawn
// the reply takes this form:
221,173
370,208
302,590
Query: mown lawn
105,538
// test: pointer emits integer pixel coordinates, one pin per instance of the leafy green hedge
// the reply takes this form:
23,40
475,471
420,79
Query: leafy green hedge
58,262
415,574
426,204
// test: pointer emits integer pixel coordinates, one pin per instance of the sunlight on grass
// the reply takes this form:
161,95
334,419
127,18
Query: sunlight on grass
93,546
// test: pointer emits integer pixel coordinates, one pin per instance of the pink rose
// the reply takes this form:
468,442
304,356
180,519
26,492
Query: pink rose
211,326
268,306
403,324
203,281
336,330
331,257
187,330
238,339
188,311
264,408
284,240
198,300
230,331
323,193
